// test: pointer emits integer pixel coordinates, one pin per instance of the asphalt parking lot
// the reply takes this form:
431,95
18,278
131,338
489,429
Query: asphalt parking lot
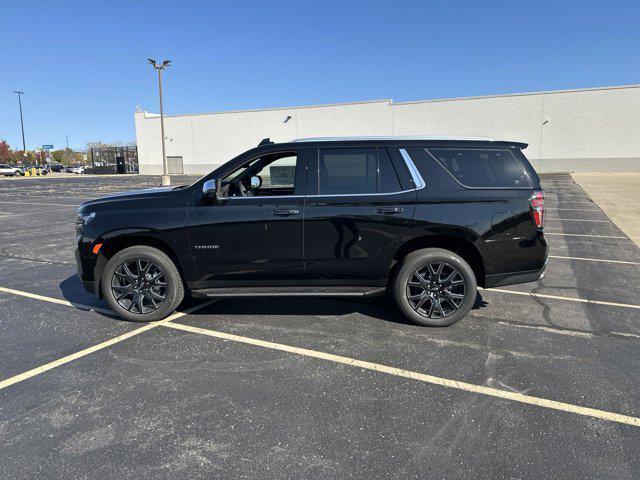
541,380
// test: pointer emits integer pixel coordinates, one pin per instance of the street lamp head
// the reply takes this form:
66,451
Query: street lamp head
152,62
166,63
18,92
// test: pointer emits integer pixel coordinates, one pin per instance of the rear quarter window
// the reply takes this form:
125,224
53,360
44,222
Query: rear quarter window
482,168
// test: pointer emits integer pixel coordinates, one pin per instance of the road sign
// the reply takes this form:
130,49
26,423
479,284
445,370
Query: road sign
47,147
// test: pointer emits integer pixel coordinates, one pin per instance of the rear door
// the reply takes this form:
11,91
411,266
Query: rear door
356,210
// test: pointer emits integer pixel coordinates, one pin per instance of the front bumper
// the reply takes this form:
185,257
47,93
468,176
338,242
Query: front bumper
85,267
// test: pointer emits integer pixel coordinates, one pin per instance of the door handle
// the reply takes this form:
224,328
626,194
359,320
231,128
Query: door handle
390,210
283,212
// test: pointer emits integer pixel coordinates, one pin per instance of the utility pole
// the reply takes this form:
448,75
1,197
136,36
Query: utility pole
66,152
24,147
166,179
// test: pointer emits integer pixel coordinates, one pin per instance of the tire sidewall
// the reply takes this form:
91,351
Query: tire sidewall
175,290
421,258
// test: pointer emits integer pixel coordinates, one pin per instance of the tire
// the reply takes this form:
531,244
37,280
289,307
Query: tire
458,291
117,281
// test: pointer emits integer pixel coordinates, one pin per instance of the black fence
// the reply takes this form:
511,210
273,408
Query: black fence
109,160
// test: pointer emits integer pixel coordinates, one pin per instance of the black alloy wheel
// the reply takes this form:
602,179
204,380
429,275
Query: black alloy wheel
139,286
436,290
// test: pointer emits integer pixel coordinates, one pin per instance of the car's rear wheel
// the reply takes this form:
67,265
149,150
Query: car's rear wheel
142,284
435,287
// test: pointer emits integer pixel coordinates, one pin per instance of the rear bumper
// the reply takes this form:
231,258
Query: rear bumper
513,278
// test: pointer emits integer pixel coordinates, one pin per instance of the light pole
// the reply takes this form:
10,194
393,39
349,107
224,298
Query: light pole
66,152
24,148
166,179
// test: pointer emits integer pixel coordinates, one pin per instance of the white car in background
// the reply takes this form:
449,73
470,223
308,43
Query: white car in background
78,169
9,171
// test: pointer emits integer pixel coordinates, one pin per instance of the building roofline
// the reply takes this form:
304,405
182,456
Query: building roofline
542,92
391,103
298,107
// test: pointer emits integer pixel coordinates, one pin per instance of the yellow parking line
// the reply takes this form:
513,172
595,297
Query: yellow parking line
421,377
578,209
74,356
595,259
558,297
399,372
34,296
582,235
553,219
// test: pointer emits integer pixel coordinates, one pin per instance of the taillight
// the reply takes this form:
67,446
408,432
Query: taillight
537,208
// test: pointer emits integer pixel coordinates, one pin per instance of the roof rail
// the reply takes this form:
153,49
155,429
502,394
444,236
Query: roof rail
405,137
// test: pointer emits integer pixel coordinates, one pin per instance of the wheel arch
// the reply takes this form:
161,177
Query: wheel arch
116,243
457,244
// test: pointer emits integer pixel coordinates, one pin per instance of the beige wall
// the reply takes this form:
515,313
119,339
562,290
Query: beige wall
579,130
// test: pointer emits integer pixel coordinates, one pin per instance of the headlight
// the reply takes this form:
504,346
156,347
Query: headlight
86,217
82,218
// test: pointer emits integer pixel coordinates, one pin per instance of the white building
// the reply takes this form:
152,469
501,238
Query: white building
595,129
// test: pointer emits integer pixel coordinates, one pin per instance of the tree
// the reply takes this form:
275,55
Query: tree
6,155
57,156
65,156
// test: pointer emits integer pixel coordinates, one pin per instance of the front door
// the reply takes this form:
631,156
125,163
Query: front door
356,211
252,234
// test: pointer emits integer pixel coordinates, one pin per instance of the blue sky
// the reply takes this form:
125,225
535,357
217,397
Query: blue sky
82,63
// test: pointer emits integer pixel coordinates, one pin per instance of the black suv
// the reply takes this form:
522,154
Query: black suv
425,219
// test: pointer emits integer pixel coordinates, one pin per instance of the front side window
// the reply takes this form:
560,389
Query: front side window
269,175
280,173
344,171
482,167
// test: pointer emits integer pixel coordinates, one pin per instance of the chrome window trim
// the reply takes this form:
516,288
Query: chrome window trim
416,178
418,181
260,196
319,196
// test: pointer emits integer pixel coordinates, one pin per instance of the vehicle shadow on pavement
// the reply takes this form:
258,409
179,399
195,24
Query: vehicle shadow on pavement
479,303
381,308
73,292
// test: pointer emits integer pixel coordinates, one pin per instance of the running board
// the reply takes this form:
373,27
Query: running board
289,292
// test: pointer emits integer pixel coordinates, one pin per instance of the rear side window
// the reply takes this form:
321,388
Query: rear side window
482,167
344,171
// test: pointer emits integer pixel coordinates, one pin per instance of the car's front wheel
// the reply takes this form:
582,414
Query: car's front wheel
142,283
435,287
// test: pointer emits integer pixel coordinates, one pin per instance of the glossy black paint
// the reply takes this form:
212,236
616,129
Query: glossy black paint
311,240
496,221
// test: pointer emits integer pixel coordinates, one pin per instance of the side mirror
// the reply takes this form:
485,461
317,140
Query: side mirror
256,182
210,188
